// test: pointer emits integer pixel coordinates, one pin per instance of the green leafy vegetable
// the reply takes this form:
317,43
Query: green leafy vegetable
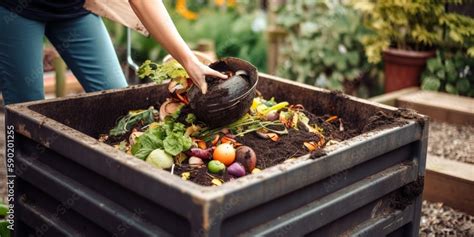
190,118
131,119
161,72
168,135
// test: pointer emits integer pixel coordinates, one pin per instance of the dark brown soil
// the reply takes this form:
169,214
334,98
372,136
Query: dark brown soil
382,120
201,175
334,130
270,153
402,198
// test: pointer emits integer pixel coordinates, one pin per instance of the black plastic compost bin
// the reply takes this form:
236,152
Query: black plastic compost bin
68,183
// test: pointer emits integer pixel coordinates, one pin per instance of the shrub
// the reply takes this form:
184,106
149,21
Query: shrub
414,25
450,72
322,46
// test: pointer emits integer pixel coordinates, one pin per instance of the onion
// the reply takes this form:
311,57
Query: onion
236,169
246,156
272,115
195,162
200,153
172,86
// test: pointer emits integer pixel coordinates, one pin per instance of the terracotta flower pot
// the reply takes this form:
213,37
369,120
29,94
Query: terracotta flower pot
403,68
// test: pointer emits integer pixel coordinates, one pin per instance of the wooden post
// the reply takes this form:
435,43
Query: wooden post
275,36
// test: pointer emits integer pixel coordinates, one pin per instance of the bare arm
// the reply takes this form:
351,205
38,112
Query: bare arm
155,18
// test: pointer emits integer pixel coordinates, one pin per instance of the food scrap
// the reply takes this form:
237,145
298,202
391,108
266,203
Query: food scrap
173,138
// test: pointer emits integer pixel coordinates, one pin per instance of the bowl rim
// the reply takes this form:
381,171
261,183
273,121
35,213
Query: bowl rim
233,102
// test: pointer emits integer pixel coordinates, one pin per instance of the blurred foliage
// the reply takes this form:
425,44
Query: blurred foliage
323,46
236,31
414,25
450,72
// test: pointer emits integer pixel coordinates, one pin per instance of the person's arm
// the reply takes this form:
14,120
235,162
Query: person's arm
155,17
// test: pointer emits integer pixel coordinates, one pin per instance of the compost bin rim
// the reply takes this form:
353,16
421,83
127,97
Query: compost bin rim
198,191
203,193
314,88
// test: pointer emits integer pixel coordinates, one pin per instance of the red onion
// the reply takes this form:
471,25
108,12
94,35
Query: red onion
246,156
236,169
200,153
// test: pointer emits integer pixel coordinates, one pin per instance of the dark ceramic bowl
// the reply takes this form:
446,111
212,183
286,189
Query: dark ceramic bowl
228,101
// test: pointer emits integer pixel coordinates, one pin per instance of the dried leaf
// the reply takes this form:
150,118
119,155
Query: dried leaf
103,137
215,140
256,171
185,175
226,139
183,98
216,182
180,158
202,144
332,118
311,146
273,136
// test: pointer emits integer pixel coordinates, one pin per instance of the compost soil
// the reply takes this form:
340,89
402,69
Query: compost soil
400,199
291,145
271,153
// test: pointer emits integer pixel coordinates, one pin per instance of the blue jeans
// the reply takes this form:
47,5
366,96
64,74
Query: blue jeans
83,43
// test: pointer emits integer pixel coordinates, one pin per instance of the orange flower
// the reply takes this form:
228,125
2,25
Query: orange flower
183,10
220,3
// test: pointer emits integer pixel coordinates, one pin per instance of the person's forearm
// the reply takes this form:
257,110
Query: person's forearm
155,18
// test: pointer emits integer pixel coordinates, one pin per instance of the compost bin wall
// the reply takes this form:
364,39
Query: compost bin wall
68,183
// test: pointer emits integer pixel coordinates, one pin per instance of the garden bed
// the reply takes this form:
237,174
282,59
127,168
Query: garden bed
440,106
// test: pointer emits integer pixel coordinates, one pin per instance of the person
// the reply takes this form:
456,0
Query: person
81,39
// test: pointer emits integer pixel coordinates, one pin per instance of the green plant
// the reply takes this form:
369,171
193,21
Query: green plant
161,72
322,46
126,123
4,230
414,25
231,30
450,72
169,136
234,34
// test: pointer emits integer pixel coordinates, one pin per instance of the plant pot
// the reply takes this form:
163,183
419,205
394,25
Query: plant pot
403,68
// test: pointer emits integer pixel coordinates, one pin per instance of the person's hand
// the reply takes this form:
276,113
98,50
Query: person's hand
198,71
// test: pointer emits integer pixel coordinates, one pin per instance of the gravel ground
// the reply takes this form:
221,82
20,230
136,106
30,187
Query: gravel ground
440,220
451,142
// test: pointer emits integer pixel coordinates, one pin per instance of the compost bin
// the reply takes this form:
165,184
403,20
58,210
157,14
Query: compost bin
69,183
